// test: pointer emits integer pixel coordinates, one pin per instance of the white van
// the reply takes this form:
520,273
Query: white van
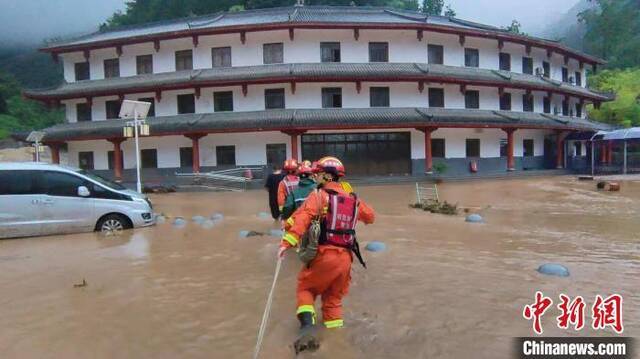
41,199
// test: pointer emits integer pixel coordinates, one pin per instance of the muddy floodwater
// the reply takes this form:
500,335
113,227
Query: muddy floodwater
442,289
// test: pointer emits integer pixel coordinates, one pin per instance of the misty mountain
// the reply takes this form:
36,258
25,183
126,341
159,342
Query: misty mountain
567,28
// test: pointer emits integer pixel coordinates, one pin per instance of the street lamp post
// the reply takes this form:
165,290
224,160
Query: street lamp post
137,127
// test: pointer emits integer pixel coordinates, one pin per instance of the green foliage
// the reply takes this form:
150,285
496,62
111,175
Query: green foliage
30,68
21,114
450,12
437,207
613,31
433,7
440,167
625,110
515,27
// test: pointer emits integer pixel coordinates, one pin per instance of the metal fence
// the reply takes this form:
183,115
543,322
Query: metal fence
615,157
233,179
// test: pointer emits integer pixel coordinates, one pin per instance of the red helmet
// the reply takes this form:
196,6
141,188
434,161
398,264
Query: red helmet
331,165
304,170
314,167
290,165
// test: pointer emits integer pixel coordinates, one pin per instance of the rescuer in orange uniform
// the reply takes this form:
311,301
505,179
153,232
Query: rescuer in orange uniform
289,183
329,273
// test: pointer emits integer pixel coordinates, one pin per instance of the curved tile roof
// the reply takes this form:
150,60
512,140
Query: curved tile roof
300,16
311,72
316,119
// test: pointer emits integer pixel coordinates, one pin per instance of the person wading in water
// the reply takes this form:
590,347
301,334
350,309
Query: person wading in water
271,185
328,272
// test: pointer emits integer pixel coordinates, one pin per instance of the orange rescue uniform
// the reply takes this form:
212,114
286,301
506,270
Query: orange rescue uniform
329,274
282,189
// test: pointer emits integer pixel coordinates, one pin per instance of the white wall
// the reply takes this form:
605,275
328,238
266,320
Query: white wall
403,47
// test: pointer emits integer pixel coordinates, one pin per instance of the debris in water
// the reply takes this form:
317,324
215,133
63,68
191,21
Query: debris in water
554,269
276,233
306,340
245,234
198,219
375,246
608,186
474,218
264,215
217,217
437,207
179,222
585,178
161,219
80,285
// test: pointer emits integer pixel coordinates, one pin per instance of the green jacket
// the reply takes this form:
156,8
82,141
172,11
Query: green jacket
297,197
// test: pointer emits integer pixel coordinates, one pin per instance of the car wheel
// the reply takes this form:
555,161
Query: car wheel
113,224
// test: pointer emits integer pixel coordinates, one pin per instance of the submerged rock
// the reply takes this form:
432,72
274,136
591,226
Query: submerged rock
179,222
474,218
217,217
554,269
375,246
161,219
245,234
208,224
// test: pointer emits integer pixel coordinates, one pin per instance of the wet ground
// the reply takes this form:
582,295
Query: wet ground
442,289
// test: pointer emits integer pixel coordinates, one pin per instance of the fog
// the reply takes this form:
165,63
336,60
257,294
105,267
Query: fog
29,22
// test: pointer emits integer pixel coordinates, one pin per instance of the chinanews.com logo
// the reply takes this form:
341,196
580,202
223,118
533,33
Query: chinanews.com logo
605,313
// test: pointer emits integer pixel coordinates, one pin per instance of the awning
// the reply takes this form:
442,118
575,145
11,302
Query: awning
623,134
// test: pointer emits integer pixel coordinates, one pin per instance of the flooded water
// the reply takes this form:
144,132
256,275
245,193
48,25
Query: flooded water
442,289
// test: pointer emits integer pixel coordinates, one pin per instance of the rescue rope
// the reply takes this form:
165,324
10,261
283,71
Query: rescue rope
267,310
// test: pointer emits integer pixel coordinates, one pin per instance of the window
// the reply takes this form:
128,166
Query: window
62,184
505,101
438,148
186,104
471,58
186,157
223,101
505,61
436,54
184,60
144,64
527,147
330,51
226,155
527,65
83,112
565,74
273,98
379,97
332,97
547,105
276,153
578,148
82,71
111,68
273,53
152,108
578,78
16,182
111,159
473,147
546,68
221,56
85,160
565,108
578,110
527,103
149,158
112,109
378,52
436,97
504,147
472,99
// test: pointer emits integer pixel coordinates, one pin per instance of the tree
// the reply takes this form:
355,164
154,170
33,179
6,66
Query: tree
449,11
625,110
432,7
515,27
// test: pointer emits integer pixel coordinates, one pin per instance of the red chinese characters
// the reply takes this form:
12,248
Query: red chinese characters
572,312
608,312
536,310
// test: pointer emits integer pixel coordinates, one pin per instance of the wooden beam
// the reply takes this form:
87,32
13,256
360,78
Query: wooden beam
291,34
420,34
463,89
462,39
158,95
500,45
358,86
195,40
243,37
293,87
356,34
197,92
89,101
421,86
500,91
156,45
528,50
549,53
121,97
119,50
87,55
245,90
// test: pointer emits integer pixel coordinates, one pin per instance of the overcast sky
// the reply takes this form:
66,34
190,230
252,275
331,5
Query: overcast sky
31,21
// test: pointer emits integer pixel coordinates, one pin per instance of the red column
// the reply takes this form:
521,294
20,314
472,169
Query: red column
609,152
559,150
603,152
428,154
294,145
117,157
55,153
195,153
511,163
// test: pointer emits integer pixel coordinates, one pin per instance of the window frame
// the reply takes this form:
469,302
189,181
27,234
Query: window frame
219,150
92,161
186,156
182,57
87,110
505,64
152,108
438,53
525,141
431,94
82,68
268,56
578,78
224,56
383,91
527,65
471,57
472,99
111,68
528,103
472,142
565,74
504,105
333,92
546,104
274,93
180,106
332,52
220,103
109,110
144,67
382,50
144,160
435,150
546,69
